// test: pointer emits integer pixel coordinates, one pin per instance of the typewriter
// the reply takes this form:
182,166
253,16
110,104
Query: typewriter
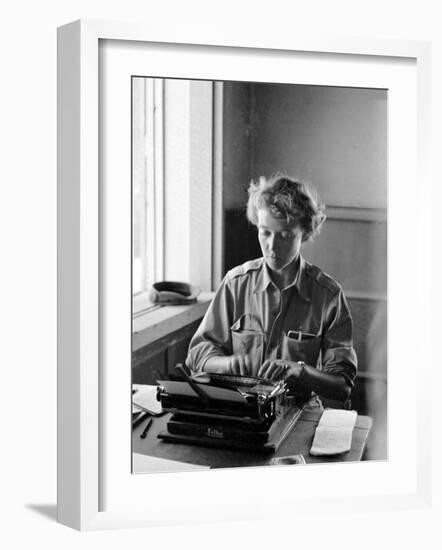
227,411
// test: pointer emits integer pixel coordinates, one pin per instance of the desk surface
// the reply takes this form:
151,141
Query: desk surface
298,441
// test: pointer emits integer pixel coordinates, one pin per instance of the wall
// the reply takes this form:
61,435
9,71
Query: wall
334,138
236,143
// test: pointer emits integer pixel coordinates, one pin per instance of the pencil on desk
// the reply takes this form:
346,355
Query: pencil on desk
138,419
146,428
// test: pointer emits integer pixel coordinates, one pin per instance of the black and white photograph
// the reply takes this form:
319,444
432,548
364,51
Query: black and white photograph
259,274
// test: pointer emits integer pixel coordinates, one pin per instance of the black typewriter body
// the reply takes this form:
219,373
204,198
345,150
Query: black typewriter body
227,411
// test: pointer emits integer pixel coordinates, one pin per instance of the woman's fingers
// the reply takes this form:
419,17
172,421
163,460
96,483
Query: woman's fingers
263,369
272,370
276,371
249,364
241,365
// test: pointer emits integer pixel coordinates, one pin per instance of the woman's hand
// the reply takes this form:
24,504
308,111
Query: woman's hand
325,384
229,364
240,364
279,369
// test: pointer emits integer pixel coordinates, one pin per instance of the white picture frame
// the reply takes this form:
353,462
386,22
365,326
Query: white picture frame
81,449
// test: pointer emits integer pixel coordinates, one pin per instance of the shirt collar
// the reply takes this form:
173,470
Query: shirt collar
264,279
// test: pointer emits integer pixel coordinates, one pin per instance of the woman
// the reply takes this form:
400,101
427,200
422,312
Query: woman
279,317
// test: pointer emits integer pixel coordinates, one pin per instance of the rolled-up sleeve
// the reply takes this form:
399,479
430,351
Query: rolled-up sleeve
338,354
213,335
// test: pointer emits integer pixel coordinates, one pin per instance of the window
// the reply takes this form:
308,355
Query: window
147,182
172,184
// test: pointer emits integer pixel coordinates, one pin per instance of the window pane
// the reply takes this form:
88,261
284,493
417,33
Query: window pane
147,181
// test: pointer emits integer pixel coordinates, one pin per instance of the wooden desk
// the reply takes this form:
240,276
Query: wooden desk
298,442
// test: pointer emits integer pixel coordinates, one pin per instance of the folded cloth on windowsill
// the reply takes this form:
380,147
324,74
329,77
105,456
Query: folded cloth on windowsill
334,432
173,293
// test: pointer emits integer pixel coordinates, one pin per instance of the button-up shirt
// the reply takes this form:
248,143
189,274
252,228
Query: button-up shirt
308,321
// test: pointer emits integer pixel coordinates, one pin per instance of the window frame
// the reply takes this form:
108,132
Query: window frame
151,147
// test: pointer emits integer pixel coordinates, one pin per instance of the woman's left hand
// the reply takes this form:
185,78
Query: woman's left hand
279,369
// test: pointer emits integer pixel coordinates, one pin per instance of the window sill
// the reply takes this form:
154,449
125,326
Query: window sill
156,323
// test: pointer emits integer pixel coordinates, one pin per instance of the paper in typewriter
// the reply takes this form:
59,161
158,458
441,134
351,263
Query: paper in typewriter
145,399
334,432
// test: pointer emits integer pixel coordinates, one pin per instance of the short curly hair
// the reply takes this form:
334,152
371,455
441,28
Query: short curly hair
286,198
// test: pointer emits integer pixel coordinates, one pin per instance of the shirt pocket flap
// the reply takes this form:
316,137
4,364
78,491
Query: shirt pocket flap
246,323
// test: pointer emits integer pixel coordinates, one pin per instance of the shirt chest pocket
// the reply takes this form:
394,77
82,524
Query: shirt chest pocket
248,339
306,349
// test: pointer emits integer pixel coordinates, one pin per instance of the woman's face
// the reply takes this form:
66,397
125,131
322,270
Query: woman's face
280,240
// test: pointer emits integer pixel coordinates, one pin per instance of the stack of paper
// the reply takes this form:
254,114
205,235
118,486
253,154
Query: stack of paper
333,433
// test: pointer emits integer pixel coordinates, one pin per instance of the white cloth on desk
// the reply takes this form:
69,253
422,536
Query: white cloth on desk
334,432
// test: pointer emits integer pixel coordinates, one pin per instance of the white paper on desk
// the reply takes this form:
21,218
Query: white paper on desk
146,398
144,464
334,432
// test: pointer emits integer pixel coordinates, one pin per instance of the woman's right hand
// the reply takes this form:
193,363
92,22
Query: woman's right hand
241,364
229,364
